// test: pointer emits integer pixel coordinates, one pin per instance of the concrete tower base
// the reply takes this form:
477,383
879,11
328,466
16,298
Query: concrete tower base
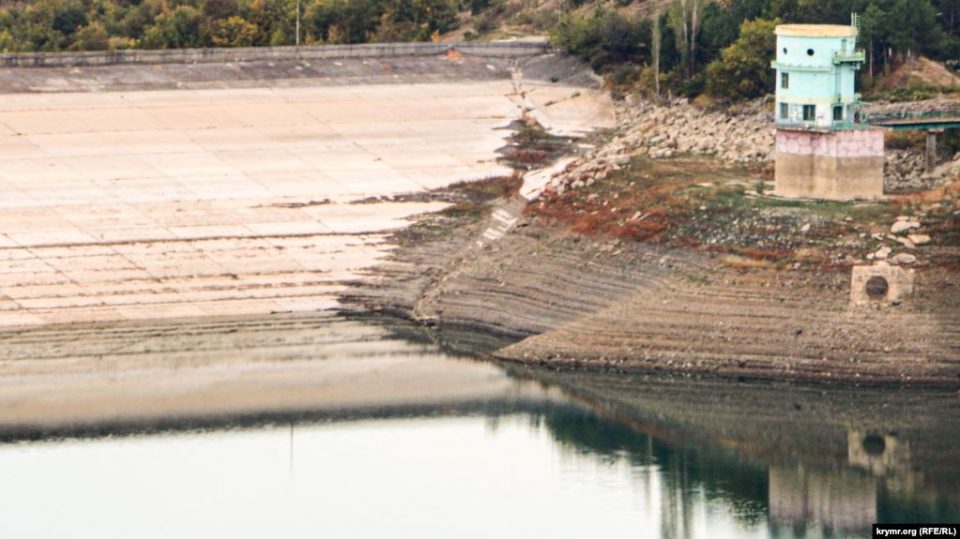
831,165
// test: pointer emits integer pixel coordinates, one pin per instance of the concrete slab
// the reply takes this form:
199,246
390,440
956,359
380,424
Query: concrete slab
569,111
211,202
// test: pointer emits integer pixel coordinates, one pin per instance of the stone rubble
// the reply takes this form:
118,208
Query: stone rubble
919,239
903,224
882,253
742,133
905,259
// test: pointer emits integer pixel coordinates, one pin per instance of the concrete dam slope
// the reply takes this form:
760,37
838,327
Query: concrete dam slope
205,189
501,49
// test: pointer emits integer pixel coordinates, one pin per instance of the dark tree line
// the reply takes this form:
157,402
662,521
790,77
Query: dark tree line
726,47
687,47
52,25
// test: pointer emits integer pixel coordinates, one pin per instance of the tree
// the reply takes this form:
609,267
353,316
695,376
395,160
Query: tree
220,9
950,12
900,27
604,38
680,22
914,27
873,32
656,43
686,18
720,28
69,17
233,32
134,22
275,21
743,69
179,28
92,37
7,41
343,21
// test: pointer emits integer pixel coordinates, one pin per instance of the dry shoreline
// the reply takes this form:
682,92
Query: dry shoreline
542,295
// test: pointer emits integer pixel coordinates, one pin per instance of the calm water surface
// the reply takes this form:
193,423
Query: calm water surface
619,457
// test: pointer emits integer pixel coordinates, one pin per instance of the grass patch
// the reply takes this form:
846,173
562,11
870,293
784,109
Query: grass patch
742,262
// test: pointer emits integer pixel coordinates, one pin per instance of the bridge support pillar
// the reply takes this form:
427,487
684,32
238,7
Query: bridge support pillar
932,148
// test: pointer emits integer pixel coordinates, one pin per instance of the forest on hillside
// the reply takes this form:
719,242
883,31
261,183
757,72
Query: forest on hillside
725,47
681,46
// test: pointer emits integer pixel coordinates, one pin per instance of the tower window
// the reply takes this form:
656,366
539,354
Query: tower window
837,113
785,80
809,52
784,111
809,113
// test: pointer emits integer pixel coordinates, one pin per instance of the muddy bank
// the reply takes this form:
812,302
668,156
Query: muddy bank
555,297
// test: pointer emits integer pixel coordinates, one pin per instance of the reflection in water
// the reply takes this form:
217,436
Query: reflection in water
805,461
560,472
454,448
823,500
689,480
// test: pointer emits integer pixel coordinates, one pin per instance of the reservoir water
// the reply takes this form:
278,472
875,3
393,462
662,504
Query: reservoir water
472,449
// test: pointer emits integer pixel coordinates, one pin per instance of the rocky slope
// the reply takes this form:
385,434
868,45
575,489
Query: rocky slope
744,133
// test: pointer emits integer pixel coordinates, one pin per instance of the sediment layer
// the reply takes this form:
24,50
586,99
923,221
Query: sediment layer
576,302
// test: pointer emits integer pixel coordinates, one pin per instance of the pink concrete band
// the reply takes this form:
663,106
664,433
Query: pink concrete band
852,143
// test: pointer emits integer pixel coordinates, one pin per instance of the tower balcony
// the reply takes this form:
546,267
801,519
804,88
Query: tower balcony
857,57
799,68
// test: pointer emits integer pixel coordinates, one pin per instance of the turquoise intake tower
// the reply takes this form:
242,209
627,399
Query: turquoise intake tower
816,76
823,151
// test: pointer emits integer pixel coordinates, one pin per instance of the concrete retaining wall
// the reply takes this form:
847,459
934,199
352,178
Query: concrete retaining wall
246,54
840,165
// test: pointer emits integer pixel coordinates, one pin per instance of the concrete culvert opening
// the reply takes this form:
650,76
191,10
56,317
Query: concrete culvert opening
877,287
874,445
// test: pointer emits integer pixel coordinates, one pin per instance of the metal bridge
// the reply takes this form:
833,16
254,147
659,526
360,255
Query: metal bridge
940,119
933,122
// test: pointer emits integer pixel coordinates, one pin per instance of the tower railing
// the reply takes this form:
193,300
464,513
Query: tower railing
856,57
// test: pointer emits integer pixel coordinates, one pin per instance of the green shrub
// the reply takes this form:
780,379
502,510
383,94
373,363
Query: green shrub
905,140
743,69
692,86
913,91
624,78
92,37
604,38
484,24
